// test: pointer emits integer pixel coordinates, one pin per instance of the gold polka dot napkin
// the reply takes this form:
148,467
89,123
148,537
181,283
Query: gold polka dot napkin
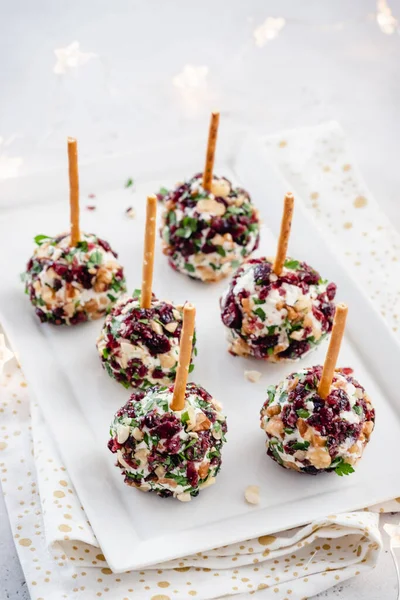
61,558
316,162
56,545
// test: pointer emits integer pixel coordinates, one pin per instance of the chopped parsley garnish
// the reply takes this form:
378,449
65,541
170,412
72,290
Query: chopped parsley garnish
183,232
185,417
234,210
163,191
292,264
189,267
129,182
171,218
111,297
235,264
343,468
40,239
258,301
95,259
191,368
302,413
82,246
271,393
106,353
259,311
288,430
300,445
357,409
220,250
137,294
180,480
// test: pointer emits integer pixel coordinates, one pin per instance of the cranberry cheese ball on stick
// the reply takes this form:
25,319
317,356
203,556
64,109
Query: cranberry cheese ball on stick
75,276
319,419
277,310
169,439
208,226
139,342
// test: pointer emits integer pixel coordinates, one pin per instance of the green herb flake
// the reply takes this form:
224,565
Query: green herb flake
292,264
137,294
191,368
82,246
220,250
189,267
271,393
357,409
41,239
95,259
302,413
163,191
259,312
185,417
183,232
300,445
343,468
129,182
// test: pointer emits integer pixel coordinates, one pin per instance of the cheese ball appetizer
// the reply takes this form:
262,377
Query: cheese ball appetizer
277,318
71,284
311,435
206,235
172,453
139,347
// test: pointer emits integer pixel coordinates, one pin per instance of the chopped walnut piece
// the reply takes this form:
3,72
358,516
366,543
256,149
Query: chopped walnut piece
202,423
252,494
275,409
208,205
253,376
275,426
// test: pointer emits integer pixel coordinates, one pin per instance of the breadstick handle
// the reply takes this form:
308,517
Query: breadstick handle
185,356
284,234
73,189
212,140
328,371
148,253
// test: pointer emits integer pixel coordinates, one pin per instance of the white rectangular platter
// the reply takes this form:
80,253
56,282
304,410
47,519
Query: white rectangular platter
78,399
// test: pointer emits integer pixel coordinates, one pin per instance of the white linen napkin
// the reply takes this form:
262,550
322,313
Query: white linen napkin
57,547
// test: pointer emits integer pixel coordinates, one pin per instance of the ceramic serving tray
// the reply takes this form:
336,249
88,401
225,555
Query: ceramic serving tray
78,398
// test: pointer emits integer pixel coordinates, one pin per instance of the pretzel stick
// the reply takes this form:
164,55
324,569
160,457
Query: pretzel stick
284,234
212,140
185,355
148,253
339,323
73,189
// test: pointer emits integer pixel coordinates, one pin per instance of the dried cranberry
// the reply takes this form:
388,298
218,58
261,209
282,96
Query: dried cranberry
113,445
192,474
82,275
168,426
296,349
231,314
157,344
106,246
262,344
331,291
60,269
173,445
